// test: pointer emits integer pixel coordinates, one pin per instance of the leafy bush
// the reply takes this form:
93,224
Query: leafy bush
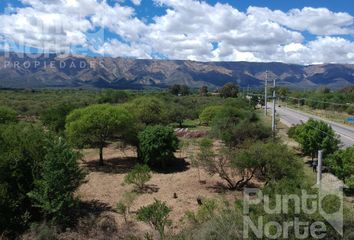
316,135
293,131
204,213
139,176
155,214
157,145
350,110
148,110
22,147
38,176
208,114
59,178
113,96
267,162
233,126
341,164
179,90
54,117
123,206
7,115
229,90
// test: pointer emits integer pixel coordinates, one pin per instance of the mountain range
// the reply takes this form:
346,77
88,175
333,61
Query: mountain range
70,71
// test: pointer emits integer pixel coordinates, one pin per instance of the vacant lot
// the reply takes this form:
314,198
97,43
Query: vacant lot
104,186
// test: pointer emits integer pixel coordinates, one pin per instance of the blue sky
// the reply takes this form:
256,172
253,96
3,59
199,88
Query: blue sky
301,31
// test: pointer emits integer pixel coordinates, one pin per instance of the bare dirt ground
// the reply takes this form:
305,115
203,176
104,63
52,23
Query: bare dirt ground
104,186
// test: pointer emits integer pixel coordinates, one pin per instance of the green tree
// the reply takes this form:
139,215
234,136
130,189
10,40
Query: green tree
316,135
59,178
271,162
233,126
7,115
208,114
148,110
138,176
54,117
205,154
203,91
175,89
254,101
113,96
176,114
157,145
96,125
229,90
22,147
266,162
155,214
184,90
341,164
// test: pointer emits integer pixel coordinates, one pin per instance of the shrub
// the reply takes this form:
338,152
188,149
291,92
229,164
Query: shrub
155,214
38,176
208,114
157,145
293,131
233,126
122,210
22,147
113,96
204,155
205,212
148,110
7,115
266,162
139,176
229,90
59,178
123,206
316,135
54,117
341,164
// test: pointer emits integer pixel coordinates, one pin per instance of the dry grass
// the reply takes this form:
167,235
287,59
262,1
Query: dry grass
104,185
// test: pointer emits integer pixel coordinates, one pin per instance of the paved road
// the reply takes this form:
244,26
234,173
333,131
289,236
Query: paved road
290,116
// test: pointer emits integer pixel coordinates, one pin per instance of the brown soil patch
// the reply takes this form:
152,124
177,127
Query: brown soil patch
104,185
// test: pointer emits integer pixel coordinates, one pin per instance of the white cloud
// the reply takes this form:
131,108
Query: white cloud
116,48
136,2
189,29
318,21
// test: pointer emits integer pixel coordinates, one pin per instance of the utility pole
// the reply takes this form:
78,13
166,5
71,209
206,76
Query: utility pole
319,167
273,110
265,94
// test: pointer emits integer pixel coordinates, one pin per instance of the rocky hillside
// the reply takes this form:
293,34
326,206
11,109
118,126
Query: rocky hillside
35,71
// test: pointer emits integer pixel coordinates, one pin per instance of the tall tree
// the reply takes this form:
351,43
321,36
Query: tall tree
54,117
229,90
96,125
203,91
316,135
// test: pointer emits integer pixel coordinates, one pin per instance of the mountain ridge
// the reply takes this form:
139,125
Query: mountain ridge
39,71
